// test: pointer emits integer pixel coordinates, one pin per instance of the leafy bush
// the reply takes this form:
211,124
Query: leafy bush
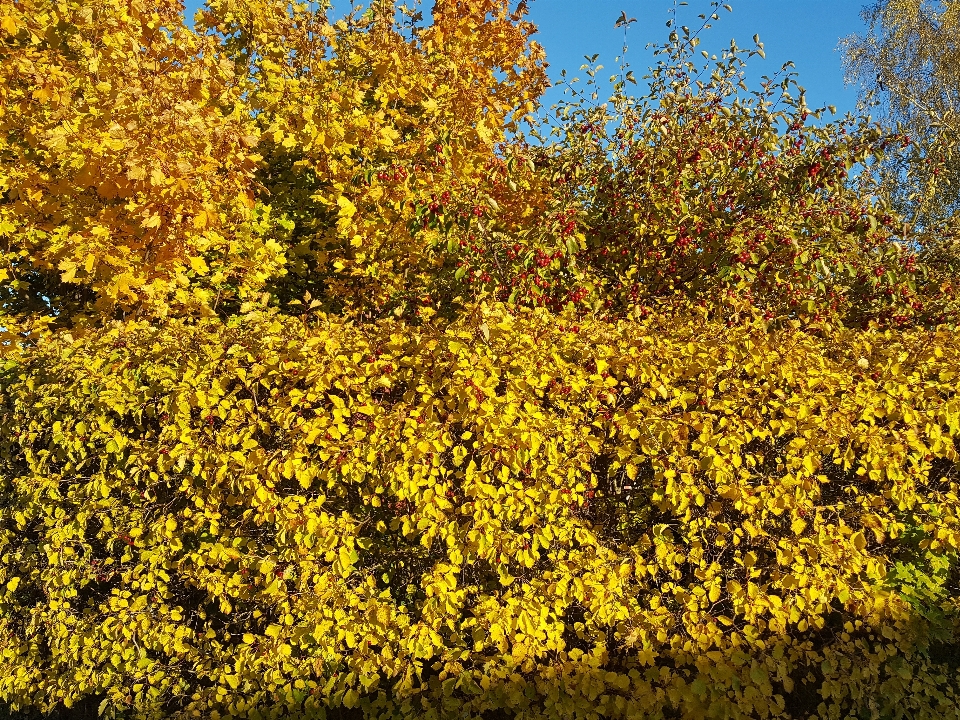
510,512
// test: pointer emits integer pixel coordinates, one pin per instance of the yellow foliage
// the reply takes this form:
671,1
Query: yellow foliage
121,161
448,513
322,387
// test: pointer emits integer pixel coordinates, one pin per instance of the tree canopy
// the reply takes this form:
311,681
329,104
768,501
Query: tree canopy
906,65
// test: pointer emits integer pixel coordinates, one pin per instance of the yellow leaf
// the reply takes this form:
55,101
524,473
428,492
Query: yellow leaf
347,208
199,265
69,271
484,133
859,541
89,264
9,24
387,136
13,584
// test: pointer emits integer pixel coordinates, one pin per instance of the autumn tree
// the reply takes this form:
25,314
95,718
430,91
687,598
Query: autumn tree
906,67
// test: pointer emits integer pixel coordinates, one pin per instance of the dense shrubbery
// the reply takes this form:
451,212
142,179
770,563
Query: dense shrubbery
329,390
513,511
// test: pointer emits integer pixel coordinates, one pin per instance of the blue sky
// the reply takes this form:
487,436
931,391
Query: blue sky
804,31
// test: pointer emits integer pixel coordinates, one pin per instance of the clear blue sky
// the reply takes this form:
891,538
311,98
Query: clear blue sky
804,31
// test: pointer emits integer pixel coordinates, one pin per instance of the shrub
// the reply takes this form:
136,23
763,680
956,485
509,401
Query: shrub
514,512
